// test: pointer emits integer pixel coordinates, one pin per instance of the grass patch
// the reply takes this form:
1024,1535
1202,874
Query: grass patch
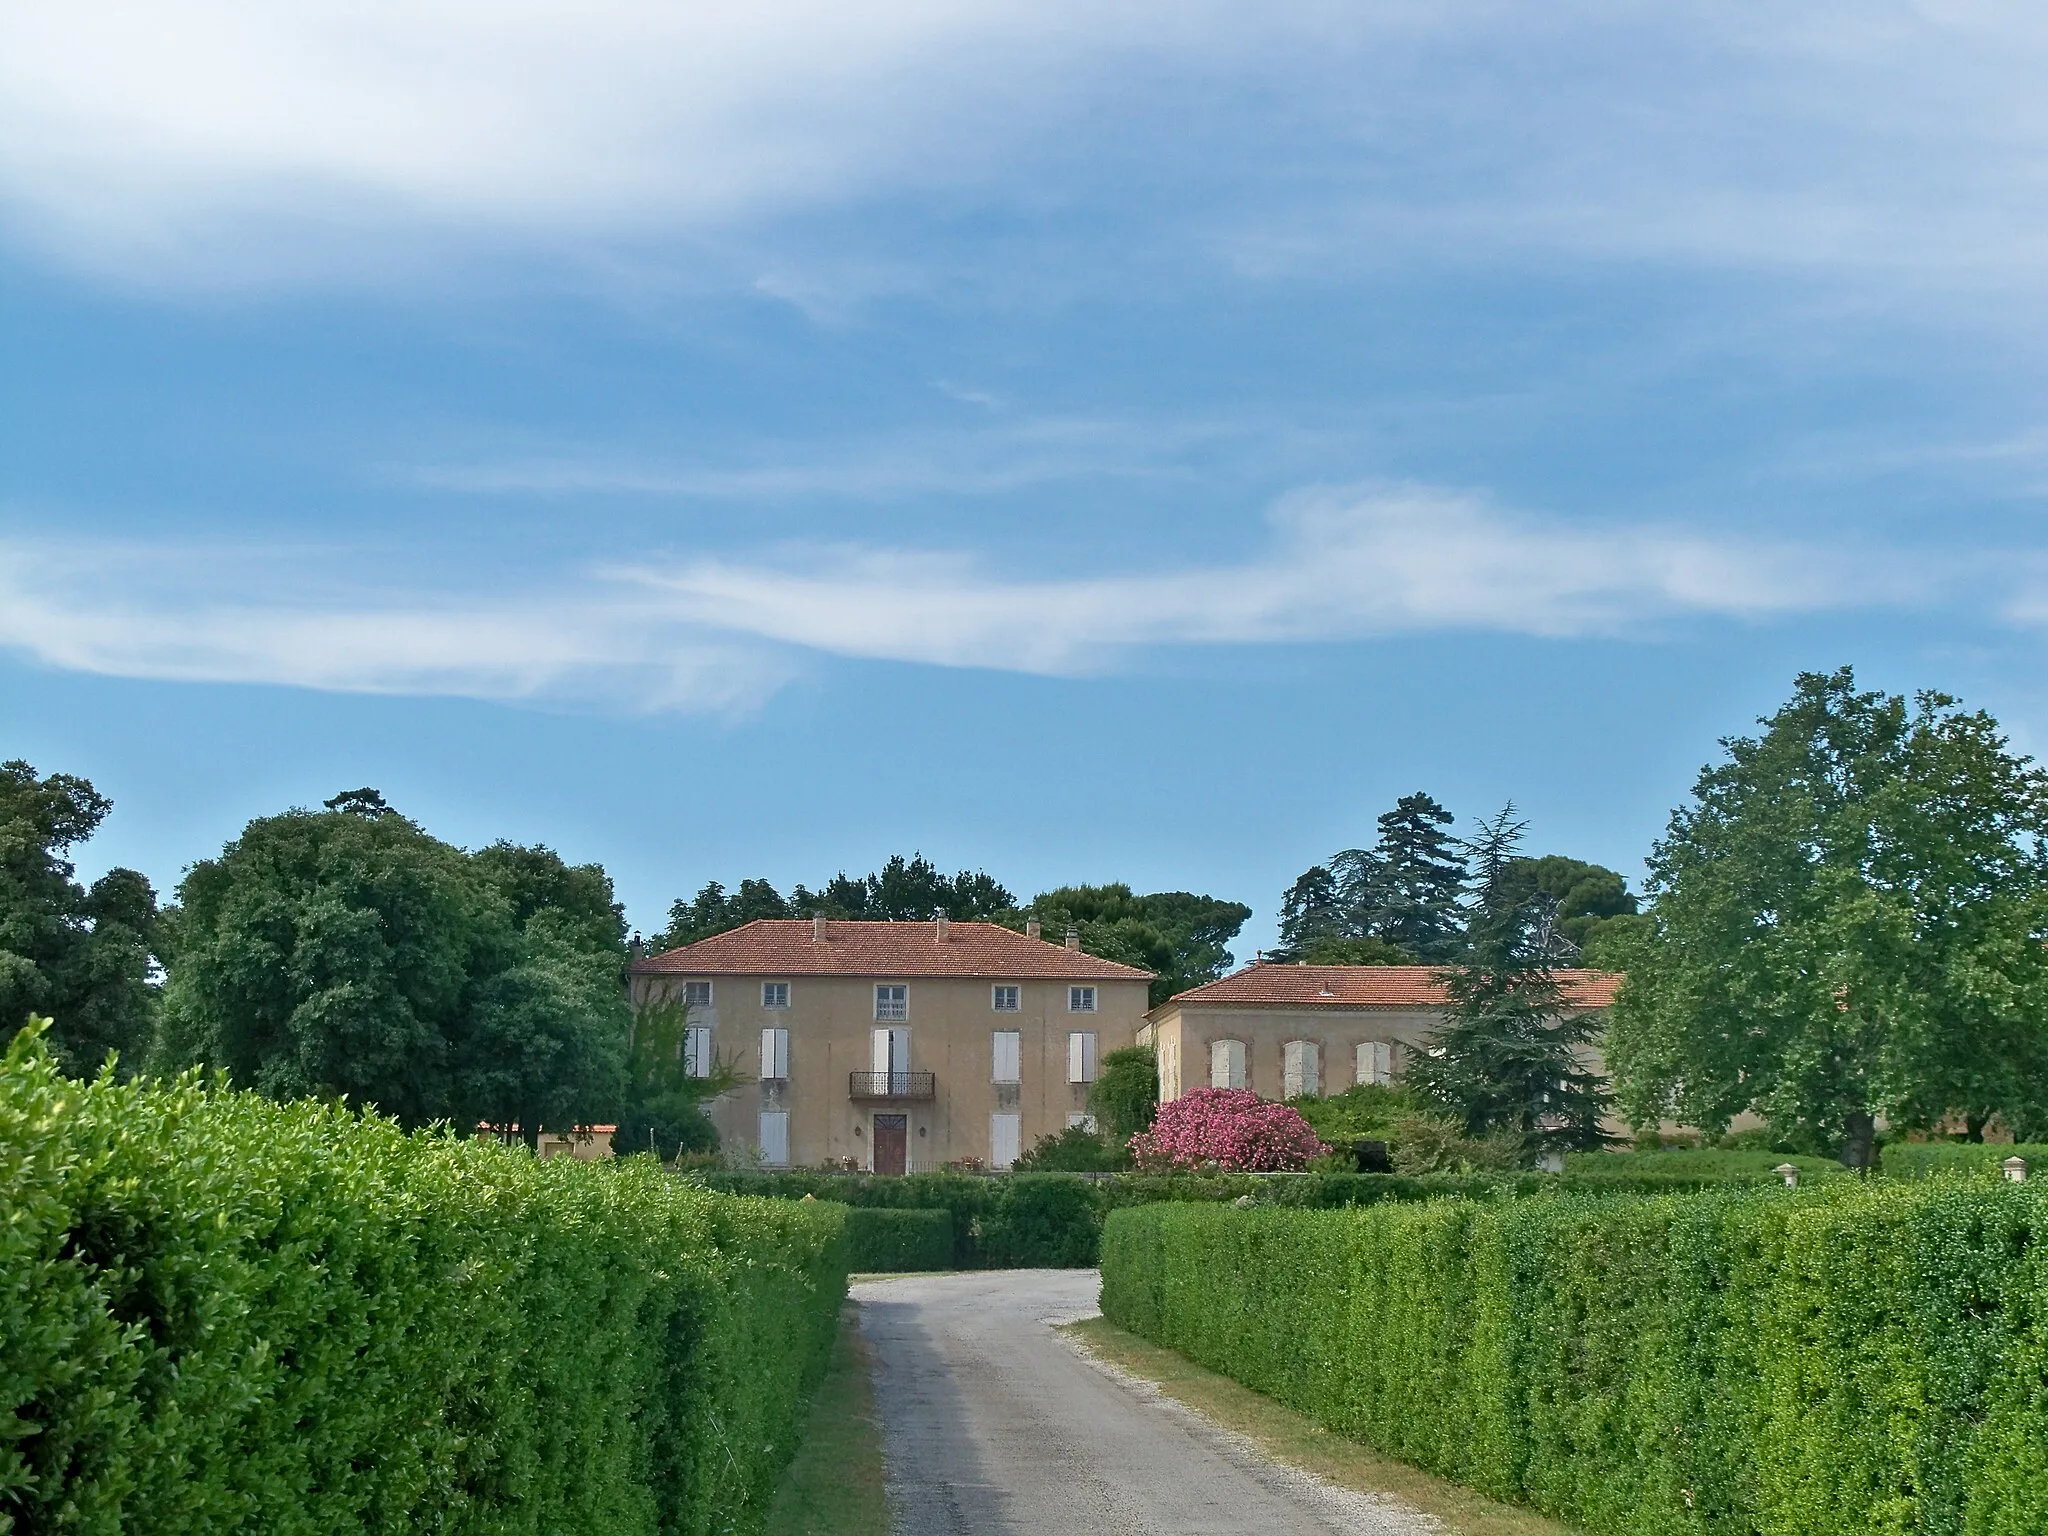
834,1485
1299,1441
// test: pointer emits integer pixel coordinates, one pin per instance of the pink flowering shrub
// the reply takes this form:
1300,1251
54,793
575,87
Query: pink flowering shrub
1231,1129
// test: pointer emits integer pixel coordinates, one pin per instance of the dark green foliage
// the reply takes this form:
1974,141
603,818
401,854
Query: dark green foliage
1848,923
1859,1357
1709,1163
1403,892
347,952
902,890
1074,1150
1506,1057
1581,898
884,1241
1312,913
1125,1097
663,1109
1353,951
1182,938
81,956
221,1313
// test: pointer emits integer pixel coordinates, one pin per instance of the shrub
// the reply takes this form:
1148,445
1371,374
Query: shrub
223,1313
880,1240
1917,1160
1856,1356
1227,1128
1074,1150
1708,1164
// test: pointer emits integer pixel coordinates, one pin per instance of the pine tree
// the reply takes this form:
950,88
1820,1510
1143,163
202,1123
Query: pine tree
1311,912
1506,1055
1418,877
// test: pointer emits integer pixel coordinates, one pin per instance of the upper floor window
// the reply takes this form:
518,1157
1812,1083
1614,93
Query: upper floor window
1008,1063
696,1051
774,994
774,1053
1080,999
1081,1056
1008,999
696,994
892,1000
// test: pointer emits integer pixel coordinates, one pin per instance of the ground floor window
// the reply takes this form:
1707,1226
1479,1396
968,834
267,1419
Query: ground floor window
1226,1064
1081,1122
1301,1069
775,1137
1003,1133
1376,1062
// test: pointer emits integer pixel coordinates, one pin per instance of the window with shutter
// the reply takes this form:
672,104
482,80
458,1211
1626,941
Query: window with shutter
775,1137
1081,1122
1007,1064
1375,1062
774,1053
1081,1057
1227,1064
697,1051
1300,1069
1003,1133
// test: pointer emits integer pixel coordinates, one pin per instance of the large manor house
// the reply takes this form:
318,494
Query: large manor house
897,1047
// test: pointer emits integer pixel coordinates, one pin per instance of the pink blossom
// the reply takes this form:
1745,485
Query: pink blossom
1231,1129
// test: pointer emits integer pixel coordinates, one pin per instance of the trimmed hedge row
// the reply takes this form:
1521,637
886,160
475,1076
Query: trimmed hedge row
1919,1160
884,1241
222,1314
1054,1220
1868,1357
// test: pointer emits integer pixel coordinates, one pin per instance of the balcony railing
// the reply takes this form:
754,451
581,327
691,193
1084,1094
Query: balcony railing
892,1085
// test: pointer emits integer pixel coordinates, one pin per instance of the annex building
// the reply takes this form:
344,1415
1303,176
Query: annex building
895,1047
1283,1030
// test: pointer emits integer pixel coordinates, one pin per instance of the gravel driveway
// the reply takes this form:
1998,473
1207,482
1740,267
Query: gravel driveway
993,1422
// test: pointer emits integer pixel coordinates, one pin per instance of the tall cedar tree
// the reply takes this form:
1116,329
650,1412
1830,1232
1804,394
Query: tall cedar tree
1848,922
1506,1055
1182,938
78,955
1417,874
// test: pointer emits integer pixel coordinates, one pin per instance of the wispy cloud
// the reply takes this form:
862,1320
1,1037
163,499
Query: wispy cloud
1341,565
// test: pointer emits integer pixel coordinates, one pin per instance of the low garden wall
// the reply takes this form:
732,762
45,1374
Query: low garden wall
1852,1357
218,1313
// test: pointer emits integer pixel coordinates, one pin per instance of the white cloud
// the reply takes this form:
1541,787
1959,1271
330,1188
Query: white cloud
214,137
721,634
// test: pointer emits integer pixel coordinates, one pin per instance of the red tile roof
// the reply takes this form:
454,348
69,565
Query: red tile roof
1271,985
788,947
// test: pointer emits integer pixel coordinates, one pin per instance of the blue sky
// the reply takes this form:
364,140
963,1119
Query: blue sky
1083,442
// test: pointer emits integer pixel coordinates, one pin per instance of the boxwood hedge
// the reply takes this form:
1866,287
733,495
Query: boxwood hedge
1867,1357
880,1240
221,1314
1919,1160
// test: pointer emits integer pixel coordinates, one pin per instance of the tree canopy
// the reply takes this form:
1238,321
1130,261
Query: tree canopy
903,890
1847,921
1402,891
1509,1053
1182,938
81,955
347,952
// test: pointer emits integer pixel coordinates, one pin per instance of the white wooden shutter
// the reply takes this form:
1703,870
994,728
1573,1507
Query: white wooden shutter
1081,1056
1226,1064
775,1137
1008,1056
1003,1133
1375,1062
774,1053
697,1051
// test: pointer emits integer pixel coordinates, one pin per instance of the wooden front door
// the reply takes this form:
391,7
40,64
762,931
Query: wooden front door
892,1143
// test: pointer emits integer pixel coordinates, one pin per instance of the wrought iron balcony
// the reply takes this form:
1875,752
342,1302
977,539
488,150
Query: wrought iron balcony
892,1085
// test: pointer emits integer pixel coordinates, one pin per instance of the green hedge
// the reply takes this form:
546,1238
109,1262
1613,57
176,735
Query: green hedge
1856,1357
1918,1160
1054,1220
222,1314
884,1241
1709,1165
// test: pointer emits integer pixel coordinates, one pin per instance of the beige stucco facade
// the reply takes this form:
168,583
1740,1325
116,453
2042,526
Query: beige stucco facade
1183,1038
821,1078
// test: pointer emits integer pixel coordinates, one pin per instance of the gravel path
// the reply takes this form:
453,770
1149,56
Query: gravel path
993,1422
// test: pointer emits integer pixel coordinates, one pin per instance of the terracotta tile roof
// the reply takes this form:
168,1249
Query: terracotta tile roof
1271,985
789,947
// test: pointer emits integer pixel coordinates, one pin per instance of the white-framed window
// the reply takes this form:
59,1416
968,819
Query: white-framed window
1081,1056
1006,998
774,994
1301,1069
889,1051
1375,1062
1078,1121
1007,1056
697,1051
1080,999
775,1137
696,994
1003,1136
774,1053
1226,1064
892,1000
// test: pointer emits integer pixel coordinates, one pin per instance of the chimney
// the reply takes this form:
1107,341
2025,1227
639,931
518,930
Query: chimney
1032,928
942,923
1073,937
818,928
